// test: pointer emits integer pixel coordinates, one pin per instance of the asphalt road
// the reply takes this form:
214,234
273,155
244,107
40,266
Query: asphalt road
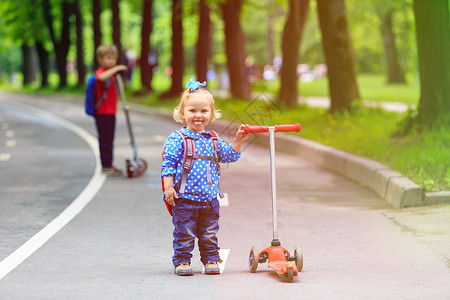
119,245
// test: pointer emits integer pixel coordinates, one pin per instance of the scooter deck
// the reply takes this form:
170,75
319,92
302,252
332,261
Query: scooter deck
277,260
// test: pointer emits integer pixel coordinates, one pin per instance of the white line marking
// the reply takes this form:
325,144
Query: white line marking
10,143
223,253
158,138
26,250
9,133
224,256
5,156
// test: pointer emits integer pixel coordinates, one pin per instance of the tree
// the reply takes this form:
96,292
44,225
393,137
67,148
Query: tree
146,30
81,67
235,49
338,52
27,64
386,11
44,63
270,43
96,12
116,36
203,48
61,45
22,22
177,64
433,45
293,28
395,73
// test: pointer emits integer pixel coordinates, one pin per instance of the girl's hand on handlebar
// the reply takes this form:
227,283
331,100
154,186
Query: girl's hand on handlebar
239,138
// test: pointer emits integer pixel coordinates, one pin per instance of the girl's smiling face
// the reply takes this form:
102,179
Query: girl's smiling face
197,112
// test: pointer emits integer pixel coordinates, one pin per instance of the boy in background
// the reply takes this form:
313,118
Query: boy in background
105,115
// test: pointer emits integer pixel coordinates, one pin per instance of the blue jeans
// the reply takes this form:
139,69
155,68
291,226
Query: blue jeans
193,219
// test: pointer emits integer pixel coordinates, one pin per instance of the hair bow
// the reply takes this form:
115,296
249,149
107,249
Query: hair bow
194,85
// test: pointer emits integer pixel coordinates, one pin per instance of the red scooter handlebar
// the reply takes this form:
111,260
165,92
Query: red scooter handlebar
288,128
278,128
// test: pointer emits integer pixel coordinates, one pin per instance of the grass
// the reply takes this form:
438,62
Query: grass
422,156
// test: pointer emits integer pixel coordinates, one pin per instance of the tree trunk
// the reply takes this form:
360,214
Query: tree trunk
27,64
61,47
177,64
433,45
235,49
146,30
203,49
270,43
116,36
81,68
293,28
338,52
96,11
395,73
44,65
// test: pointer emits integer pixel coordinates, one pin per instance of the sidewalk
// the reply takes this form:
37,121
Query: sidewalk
322,102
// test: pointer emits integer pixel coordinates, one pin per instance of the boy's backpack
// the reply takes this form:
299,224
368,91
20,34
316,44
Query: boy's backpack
90,100
189,156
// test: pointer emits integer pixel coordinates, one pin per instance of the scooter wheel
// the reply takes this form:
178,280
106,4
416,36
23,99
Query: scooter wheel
298,258
290,275
143,166
253,259
130,168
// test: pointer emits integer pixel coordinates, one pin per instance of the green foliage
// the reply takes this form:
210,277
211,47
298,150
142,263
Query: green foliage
23,20
423,155
11,60
364,19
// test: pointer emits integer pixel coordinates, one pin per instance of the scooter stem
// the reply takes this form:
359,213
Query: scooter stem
127,115
273,183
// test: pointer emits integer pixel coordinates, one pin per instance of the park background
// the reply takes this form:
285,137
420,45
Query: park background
346,51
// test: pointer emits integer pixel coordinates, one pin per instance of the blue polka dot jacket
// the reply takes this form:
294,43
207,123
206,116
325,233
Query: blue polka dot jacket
197,187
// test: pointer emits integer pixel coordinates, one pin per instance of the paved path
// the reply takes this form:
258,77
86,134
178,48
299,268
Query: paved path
324,102
119,246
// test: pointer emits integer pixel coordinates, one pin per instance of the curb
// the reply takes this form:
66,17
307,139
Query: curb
390,185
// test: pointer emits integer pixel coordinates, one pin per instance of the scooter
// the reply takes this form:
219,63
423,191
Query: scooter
136,166
285,264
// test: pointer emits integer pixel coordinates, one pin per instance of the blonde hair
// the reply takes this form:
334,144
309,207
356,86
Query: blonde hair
178,116
103,50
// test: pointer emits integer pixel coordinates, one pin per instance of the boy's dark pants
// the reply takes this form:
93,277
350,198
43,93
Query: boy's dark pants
195,219
106,125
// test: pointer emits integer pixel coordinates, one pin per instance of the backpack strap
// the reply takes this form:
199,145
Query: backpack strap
215,141
188,161
105,92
